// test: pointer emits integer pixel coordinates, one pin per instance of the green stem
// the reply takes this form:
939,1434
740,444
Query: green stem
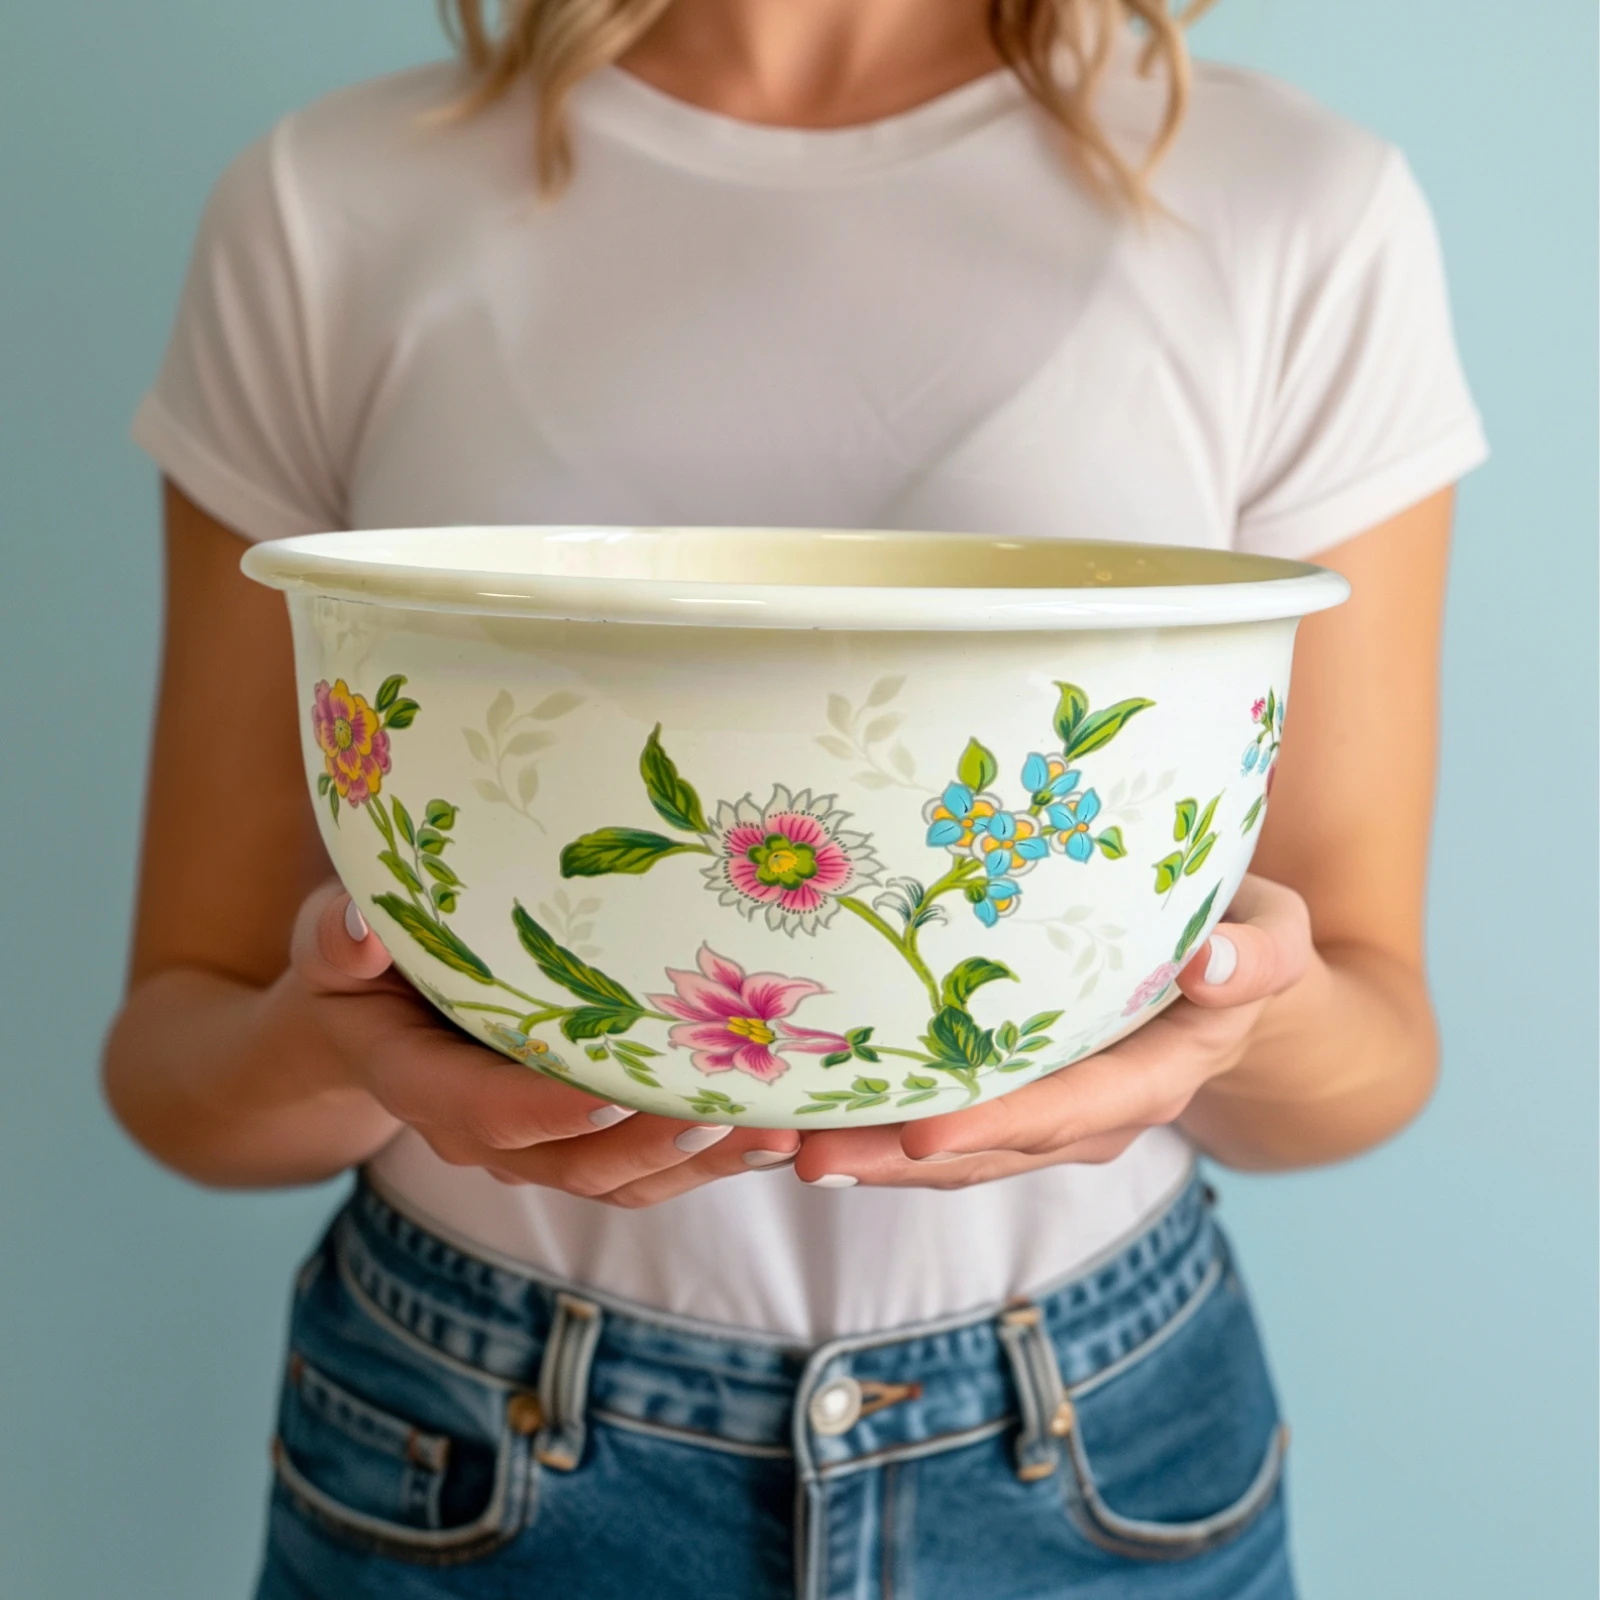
380,817
901,943
920,1056
959,875
483,1005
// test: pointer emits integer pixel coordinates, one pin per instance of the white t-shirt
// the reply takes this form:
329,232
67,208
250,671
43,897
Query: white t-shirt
922,323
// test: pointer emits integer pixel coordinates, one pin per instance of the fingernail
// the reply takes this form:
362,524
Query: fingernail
610,1116
769,1158
693,1140
354,923
1223,960
942,1155
832,1180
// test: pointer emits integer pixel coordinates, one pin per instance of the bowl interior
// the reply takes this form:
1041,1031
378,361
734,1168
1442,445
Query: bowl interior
794,558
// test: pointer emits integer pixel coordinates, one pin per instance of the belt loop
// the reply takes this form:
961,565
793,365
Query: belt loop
1041,1395
564,1382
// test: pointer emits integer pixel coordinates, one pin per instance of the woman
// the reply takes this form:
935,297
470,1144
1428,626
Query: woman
943,264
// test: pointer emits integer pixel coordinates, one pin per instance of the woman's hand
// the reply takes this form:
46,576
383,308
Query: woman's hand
1093,1110
475,1109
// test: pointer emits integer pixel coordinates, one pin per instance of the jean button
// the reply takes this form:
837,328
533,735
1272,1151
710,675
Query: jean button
836,1407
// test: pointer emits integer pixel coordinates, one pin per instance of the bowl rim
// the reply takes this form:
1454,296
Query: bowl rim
360,565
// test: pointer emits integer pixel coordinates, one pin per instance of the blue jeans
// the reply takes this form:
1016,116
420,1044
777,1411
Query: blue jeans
449,1427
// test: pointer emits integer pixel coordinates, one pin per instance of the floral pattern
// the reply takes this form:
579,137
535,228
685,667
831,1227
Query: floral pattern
732,1020
354,745
792,864
1261,754
789,860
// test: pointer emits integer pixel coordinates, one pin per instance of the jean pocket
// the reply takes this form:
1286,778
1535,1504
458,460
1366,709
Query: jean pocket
1179,1447
389,1447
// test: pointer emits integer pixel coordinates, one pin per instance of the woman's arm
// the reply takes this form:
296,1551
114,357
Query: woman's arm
263,1039
1318,1040
1349,1055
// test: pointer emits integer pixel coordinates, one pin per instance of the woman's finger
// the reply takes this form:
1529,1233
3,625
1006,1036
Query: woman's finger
1262,947
332,948
746,1150
1146,1080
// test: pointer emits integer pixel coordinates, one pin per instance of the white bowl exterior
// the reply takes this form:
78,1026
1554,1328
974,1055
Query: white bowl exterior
533,731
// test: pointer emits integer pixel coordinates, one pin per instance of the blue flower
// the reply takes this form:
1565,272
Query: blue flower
1011,842
1048,778
1071,818
1250,755
996,898
957,817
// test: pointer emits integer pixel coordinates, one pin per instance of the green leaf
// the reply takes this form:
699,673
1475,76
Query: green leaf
1198,859
1111,845
1072,708
606,850
918,1080
632,1047
916,1099
1167,870
402,714
439,872
1249,820
1045,1019
403,821
323,782
561,966
333,805
1043,1041
859,1035
674,799
597,1052
977,767
1183,824
641,1075
441,815
970,975
389,691
870,1085
594,1022
431,842
439,941
1101,727
1205,817
837,1058
1271,709
955,1037
1006,1037
401,870
444,899
1192,928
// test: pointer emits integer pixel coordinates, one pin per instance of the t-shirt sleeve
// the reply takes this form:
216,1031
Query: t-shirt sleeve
1365,410
233,417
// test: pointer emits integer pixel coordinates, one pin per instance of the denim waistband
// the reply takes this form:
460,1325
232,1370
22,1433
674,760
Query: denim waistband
847,1404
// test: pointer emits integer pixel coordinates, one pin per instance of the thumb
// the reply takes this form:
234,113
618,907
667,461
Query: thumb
332,948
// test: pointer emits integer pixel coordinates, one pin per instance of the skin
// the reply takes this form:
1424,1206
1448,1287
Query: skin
265,1041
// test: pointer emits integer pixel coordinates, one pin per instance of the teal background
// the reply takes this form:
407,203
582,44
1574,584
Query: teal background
1431,1308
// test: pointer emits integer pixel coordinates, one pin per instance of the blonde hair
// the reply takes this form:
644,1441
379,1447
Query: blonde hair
558,43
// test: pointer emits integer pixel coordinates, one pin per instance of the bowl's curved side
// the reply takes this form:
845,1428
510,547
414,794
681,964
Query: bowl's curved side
792,878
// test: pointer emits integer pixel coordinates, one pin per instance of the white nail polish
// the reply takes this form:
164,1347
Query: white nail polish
354,923
693,1140
1223,960
610,1116
769,1158
832,1180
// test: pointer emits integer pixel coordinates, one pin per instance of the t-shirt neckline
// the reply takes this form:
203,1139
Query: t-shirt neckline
673,131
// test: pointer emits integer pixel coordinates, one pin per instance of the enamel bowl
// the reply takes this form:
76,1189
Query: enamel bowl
789,828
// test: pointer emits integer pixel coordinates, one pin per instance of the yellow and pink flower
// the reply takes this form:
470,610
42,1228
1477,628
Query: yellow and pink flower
355,748
732,1020
789,860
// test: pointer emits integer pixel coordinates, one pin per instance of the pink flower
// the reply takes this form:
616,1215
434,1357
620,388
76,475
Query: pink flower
355,749
731,1017
790,859
1152,988
1258,710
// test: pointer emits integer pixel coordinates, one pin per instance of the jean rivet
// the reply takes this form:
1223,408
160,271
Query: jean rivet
524,1414
836,1407
1062,1422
